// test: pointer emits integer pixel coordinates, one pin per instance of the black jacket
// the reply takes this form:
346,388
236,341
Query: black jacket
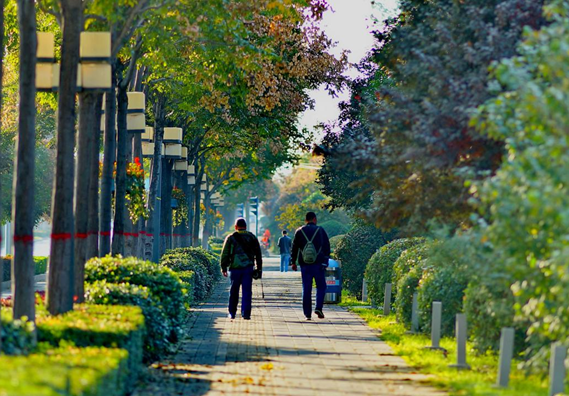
236,255
321,243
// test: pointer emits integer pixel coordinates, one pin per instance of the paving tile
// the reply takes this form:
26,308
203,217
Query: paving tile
279,353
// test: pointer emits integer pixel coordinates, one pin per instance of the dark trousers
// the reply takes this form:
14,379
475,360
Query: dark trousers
318,273
242,277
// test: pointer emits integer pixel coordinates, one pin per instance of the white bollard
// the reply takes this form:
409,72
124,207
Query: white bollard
415,314
557,369
387,299
436,324
364,291
506,355
461,336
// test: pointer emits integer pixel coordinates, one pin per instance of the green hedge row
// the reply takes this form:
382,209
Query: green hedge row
134,313
40,263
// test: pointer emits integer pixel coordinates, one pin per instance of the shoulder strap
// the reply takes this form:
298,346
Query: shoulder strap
311,239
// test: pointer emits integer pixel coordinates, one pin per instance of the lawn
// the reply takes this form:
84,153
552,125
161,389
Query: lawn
479,381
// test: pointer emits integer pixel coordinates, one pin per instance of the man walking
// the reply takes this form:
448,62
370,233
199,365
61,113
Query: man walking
311,249
240,252
285,244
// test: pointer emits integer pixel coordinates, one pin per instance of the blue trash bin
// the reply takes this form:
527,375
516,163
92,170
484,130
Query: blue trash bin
333,282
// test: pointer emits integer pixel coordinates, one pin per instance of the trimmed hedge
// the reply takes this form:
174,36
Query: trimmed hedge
40,267
379,269
17,335
205,268
97,325
68,371
163,284
334,243
156,337
354,250
334,228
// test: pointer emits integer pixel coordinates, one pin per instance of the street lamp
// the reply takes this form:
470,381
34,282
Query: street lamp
135,118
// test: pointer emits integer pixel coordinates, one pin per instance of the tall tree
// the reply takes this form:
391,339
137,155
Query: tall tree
61,261
23,201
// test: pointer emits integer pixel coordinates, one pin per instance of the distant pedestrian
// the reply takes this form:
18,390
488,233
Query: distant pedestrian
311,249
241,250
285,245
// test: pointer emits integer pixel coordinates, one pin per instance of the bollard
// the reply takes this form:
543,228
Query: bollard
364,291
436,326
461,335
557,369
415,313
506,354
387,299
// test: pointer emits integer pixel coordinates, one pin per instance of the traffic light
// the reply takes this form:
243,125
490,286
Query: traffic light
254,201
240,210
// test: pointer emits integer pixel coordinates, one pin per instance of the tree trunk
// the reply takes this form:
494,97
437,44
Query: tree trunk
120,183
185,227
153,224
108,170
208,223
93,223
166,218
85,141
61,276
1,153
191,208
197,207
130,236
139,225
23,200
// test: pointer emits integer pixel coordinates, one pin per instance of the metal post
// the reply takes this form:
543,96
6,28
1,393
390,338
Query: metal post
461,343
506,354
557,369
436,326
387,299
364,290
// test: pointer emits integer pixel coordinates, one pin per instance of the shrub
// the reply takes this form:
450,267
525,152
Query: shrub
334,243
334,228
97,325
67,370
16,335
445,279
379,269
40,266
354,250
163,283
205,266
407,272
156,340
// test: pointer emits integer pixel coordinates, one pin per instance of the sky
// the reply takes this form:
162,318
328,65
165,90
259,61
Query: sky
349,24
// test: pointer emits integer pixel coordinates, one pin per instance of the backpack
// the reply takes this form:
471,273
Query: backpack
309,253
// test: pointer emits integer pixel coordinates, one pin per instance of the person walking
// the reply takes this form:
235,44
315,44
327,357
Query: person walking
285,244
311,250
241,250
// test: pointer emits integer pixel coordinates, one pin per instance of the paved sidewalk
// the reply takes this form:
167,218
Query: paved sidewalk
279,353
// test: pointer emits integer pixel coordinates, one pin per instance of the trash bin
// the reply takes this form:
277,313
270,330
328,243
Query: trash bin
333,282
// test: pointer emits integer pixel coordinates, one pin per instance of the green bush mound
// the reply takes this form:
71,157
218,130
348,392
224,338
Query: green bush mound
16,335
334,243
156,337
354,251
97,325
163,283
407,272
40,266
334,228
205,268
69,371
379,269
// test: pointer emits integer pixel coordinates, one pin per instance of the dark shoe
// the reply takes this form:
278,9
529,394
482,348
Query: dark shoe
308,318
319,313
246,318
229,316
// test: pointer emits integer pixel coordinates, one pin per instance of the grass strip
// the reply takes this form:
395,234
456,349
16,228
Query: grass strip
479,381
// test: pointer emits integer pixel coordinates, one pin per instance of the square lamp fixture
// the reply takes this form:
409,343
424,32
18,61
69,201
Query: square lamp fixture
191,180
173,135
136,123
173,151
148,134
136,102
